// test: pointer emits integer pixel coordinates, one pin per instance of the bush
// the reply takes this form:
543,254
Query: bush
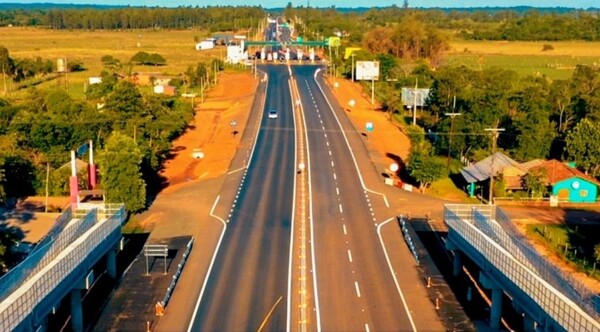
547,47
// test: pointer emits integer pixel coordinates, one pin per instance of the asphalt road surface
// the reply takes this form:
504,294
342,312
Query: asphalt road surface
248,284
356,291
248,287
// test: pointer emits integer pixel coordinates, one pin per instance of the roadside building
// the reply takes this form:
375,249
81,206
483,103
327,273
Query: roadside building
568,183
166,90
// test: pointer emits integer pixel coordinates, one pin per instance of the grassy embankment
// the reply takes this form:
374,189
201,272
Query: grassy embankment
572,244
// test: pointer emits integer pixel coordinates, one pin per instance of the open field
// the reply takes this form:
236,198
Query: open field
176,46
526,58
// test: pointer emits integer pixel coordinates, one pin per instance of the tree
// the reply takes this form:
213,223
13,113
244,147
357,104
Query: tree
535,182
125,100
561,95
140,57
156,60
5,65
425,168
583,146
120,172
8,237
109,61
143,58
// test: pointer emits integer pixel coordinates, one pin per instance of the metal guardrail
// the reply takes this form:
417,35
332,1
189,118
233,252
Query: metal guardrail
180,266
408,239
21,303
558,306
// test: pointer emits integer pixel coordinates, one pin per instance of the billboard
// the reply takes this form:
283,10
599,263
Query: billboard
367,70
414,97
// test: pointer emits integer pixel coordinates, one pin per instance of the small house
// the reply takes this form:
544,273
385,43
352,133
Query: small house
568,183
167,90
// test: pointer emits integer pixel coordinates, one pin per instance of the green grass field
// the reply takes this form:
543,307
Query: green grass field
176,46
526,58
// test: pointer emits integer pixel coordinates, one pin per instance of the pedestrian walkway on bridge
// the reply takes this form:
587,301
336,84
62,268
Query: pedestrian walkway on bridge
547,299
60,265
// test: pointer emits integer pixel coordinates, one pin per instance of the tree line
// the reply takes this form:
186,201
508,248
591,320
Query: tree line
516,23
225,18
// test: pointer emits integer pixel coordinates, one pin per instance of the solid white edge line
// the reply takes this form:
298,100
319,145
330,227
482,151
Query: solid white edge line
387,258
264,101
212,262
346,139
293,219
205,282
312,234
213,209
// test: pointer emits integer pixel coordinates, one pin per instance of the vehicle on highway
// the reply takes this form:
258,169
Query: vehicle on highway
272,114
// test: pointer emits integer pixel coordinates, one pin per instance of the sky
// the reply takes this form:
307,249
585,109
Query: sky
328,3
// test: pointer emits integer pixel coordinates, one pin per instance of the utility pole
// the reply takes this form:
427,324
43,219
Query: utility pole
373,90
495,132
452,116
352,56
415,103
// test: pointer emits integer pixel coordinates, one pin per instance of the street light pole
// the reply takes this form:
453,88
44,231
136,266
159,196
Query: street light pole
451,115
495,132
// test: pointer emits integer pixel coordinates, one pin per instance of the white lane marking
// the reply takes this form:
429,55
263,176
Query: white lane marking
366,327
332,164
357,288
334,176
362,182
310,218
213,209
237,170
291,252
327,143
349,255
344,227
329,152
212,262
337,191
341,210
387,258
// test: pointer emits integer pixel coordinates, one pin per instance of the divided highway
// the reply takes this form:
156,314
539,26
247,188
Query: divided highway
249,286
